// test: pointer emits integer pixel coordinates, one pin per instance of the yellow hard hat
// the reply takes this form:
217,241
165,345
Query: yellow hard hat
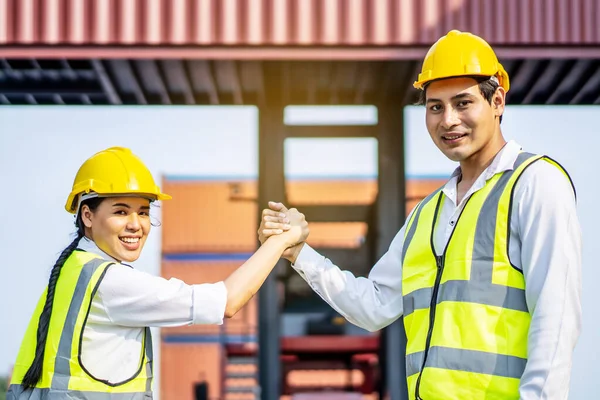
461,54
113,171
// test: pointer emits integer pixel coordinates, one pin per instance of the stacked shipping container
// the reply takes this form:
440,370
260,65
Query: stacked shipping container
209,229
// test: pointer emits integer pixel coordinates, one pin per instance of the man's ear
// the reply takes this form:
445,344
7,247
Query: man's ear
499,101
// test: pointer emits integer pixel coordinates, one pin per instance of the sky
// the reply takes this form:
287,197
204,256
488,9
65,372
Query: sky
41,148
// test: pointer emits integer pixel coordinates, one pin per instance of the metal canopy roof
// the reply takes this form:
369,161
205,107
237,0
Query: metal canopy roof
227,82
322,51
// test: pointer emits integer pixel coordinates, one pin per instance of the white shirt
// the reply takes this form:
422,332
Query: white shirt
129,300
545,242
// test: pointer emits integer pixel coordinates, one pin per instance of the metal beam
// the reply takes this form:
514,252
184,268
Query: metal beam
173,76
590,87
125,72
367,73
271,186
162,80
106,82
260,82
570,82
544,83
58,99
408,92
278,53
331,131
202,78
30,99
236,83
390,214
335,213
357,260
336,79
526,77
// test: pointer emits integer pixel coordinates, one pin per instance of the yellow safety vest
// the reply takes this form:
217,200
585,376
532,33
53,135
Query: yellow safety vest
63,375
465,313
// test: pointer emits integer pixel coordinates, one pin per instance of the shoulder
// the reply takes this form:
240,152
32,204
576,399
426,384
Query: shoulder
545,181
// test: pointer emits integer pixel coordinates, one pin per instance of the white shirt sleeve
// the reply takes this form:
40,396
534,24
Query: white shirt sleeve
136,299
371,303
551,258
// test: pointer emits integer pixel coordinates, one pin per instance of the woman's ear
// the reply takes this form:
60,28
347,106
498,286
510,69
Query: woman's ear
86,216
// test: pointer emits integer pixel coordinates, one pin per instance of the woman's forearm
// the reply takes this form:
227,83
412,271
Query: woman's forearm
245,281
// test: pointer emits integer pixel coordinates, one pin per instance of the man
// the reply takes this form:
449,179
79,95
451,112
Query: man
486,270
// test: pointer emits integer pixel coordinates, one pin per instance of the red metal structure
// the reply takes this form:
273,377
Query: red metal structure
273,53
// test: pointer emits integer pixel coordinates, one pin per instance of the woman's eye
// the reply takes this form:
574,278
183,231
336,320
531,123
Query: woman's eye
436,107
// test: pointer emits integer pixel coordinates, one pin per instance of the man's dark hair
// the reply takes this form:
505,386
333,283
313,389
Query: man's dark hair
487,88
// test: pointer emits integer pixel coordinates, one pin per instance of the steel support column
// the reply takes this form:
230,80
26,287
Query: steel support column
391,213
271,187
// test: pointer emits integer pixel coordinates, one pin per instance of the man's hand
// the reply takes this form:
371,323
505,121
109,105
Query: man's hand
276,220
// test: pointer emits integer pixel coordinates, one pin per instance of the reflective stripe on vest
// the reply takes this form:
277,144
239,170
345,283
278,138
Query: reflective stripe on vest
465,312
64,376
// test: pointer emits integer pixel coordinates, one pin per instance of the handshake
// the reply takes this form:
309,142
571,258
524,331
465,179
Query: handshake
289,225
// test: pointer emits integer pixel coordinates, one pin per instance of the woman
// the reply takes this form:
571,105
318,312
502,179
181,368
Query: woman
89,336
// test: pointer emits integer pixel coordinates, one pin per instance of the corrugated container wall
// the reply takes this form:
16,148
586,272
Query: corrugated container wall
209,229
184,364
295,22
195,272
218,216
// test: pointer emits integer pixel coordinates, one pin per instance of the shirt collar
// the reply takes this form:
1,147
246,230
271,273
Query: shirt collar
503,161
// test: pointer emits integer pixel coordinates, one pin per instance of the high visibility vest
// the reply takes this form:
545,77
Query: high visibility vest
465,313
63,374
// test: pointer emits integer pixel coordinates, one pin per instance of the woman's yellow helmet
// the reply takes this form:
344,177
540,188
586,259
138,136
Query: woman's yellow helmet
113,171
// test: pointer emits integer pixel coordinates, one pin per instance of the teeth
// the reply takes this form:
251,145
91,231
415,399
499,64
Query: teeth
452,137
130,240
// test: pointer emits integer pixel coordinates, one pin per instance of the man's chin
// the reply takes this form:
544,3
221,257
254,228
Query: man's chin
455,155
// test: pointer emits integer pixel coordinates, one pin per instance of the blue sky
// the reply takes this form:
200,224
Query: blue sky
41,149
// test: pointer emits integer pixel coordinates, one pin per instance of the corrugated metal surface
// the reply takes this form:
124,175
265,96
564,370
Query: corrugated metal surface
221,216
337,234
360,191
243,323
183,365
209,217
295,22
418,189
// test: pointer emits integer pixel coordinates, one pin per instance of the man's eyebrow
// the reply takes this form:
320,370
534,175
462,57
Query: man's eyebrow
457,97
462,96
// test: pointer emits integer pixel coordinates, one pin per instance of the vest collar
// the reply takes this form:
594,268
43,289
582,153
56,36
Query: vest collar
503,161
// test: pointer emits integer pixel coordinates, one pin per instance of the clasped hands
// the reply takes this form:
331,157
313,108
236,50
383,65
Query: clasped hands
278,220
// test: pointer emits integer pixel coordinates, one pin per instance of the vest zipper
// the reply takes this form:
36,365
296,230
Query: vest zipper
439,261
432,306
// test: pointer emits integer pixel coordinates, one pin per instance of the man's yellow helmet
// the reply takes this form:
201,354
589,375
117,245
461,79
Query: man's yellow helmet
114,171
461,54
